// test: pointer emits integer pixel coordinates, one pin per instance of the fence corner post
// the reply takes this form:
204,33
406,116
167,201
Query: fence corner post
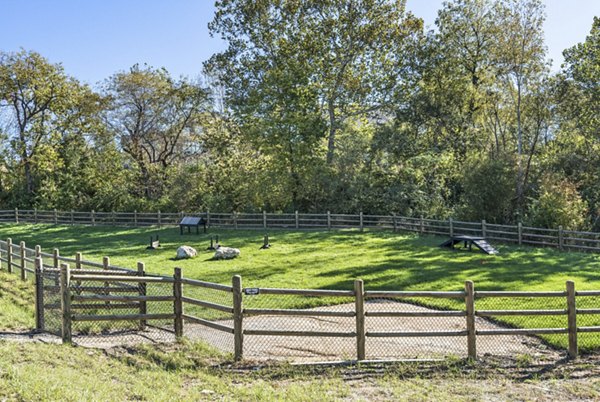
65,303
520,232
9,255
22,262
470,310
572,319
561,238
178,303
141,271
238,331
39,294
359,302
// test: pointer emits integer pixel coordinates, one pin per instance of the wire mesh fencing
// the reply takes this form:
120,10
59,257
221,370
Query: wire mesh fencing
415,327
301,325
120,308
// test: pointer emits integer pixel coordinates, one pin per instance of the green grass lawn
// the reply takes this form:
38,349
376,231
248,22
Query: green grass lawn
332,260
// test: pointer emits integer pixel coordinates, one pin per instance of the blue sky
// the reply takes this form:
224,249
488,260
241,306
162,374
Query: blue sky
95,38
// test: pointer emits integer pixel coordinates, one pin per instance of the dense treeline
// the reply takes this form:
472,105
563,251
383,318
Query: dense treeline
340,105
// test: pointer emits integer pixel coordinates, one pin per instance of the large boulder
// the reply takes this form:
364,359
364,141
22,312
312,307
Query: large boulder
184,252
226,253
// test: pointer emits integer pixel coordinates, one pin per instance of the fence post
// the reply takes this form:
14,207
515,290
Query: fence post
520,232
207,218
55,255
39,294
135,220
394,222
38,251
421,225
483,228
561,238
112,218
9,255
328,220
470,309
78,259
93,218
159,219
105,266
451,227
178,303
72,218
238,332
22,255
65,303
359,302
234,218
35,217
55,216
264,219
360,219
16,215
141,271
297,219
572,319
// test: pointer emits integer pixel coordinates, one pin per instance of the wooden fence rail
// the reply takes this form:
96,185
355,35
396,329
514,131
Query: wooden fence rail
118,288
519,234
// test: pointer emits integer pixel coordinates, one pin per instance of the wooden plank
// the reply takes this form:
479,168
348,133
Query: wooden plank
306,292
417,334
124,317
522,331
490,293
209,285
123,298
572,319
299,312
403,294
238,317
588,311
209,324
491,313
210,305
122,278
359,306
470,310
453,313
588,329
325,334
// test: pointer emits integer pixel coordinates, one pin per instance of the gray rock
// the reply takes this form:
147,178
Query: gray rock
184,252
226,253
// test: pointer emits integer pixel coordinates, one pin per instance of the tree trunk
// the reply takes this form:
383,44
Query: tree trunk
332,132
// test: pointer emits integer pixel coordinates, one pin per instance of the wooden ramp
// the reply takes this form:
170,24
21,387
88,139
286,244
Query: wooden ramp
469,242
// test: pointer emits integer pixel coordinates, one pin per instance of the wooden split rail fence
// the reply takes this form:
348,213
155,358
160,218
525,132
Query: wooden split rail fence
519,234
100,289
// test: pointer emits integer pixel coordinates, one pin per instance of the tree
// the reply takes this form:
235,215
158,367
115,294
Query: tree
156,121
35,92
350,53
521,55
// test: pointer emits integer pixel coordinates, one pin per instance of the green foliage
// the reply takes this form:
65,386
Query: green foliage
558,204
488,189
